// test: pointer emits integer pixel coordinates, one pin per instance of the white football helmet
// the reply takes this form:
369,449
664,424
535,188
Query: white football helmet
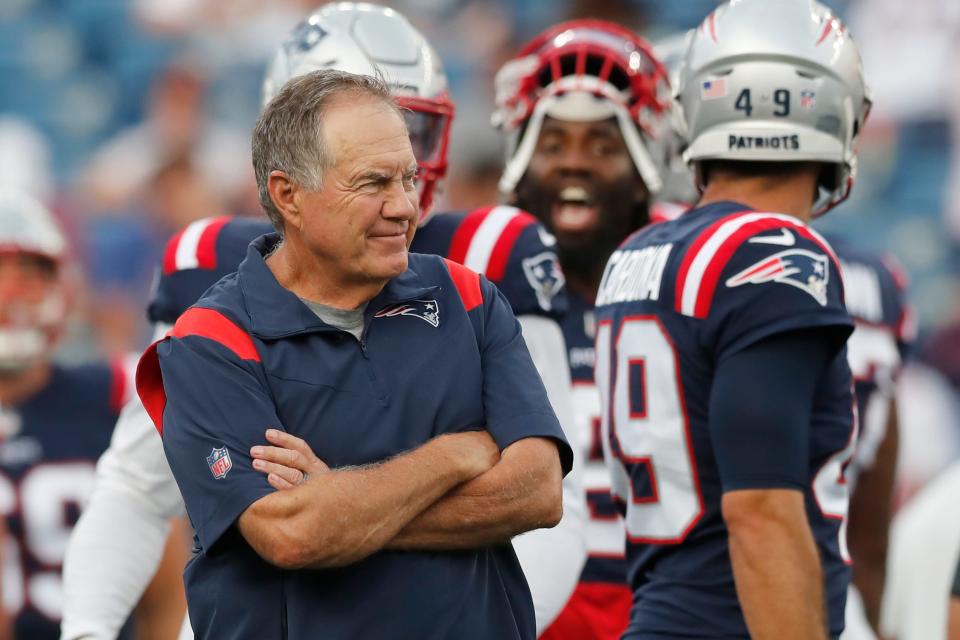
366,39
679,185
29,329
584,70
777,81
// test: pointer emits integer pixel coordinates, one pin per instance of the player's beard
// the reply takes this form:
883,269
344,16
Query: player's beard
586,252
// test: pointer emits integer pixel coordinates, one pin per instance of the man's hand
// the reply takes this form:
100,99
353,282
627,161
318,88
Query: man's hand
523,491
291,461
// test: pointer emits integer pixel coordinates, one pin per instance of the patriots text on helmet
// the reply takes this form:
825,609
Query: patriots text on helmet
787,143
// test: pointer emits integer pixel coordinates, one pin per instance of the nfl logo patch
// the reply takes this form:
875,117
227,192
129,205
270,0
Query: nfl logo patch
807,99
219,463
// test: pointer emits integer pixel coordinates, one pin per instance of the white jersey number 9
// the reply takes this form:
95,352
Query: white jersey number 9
646,433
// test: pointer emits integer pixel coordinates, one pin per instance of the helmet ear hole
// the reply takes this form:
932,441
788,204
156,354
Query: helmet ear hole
828,178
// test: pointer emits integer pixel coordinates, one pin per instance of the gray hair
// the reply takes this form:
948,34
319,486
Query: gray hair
288,135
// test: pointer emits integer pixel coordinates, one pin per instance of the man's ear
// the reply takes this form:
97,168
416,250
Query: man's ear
283,192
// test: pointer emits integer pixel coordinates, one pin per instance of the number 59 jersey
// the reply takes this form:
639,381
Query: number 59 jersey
675,300
48,448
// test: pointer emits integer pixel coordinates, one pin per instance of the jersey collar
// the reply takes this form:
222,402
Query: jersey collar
721,208
276,312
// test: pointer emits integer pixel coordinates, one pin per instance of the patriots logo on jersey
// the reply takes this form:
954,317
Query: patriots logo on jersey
219,462
426,310
796,267
545,276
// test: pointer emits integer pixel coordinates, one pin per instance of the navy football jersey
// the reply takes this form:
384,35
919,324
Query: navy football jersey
509,247
195,258
600,605
885,329
676,299
505,244
48,452
605,543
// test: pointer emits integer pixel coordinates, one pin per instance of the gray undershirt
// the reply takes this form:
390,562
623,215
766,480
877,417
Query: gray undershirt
350,321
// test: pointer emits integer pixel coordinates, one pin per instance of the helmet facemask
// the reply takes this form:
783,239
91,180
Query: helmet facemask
428,123
584,71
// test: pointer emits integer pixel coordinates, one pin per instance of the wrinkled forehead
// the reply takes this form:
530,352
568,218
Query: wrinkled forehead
364,129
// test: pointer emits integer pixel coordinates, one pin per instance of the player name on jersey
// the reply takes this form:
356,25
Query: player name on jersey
634,275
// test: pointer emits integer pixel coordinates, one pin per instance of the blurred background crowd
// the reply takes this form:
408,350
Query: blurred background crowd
131,118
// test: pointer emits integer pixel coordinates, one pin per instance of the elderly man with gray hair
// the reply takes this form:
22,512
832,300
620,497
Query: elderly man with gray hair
423,437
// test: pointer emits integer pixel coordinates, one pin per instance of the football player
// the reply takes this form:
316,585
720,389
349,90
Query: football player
503,242
55,421
875,287
728,409
584,107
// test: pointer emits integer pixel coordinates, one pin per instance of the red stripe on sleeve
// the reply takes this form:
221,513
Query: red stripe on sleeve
711,276
500,256
150,386
195,321
118,385
170,253
207,323
690,255
207,246
460,243
467,283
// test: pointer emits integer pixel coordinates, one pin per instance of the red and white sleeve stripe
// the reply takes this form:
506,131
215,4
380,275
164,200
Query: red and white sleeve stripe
709,254
485,239
195,246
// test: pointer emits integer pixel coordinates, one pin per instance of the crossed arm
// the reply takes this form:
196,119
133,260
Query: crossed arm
454,492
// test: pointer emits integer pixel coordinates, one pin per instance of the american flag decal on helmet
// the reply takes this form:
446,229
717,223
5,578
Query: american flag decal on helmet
426,310
797,267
